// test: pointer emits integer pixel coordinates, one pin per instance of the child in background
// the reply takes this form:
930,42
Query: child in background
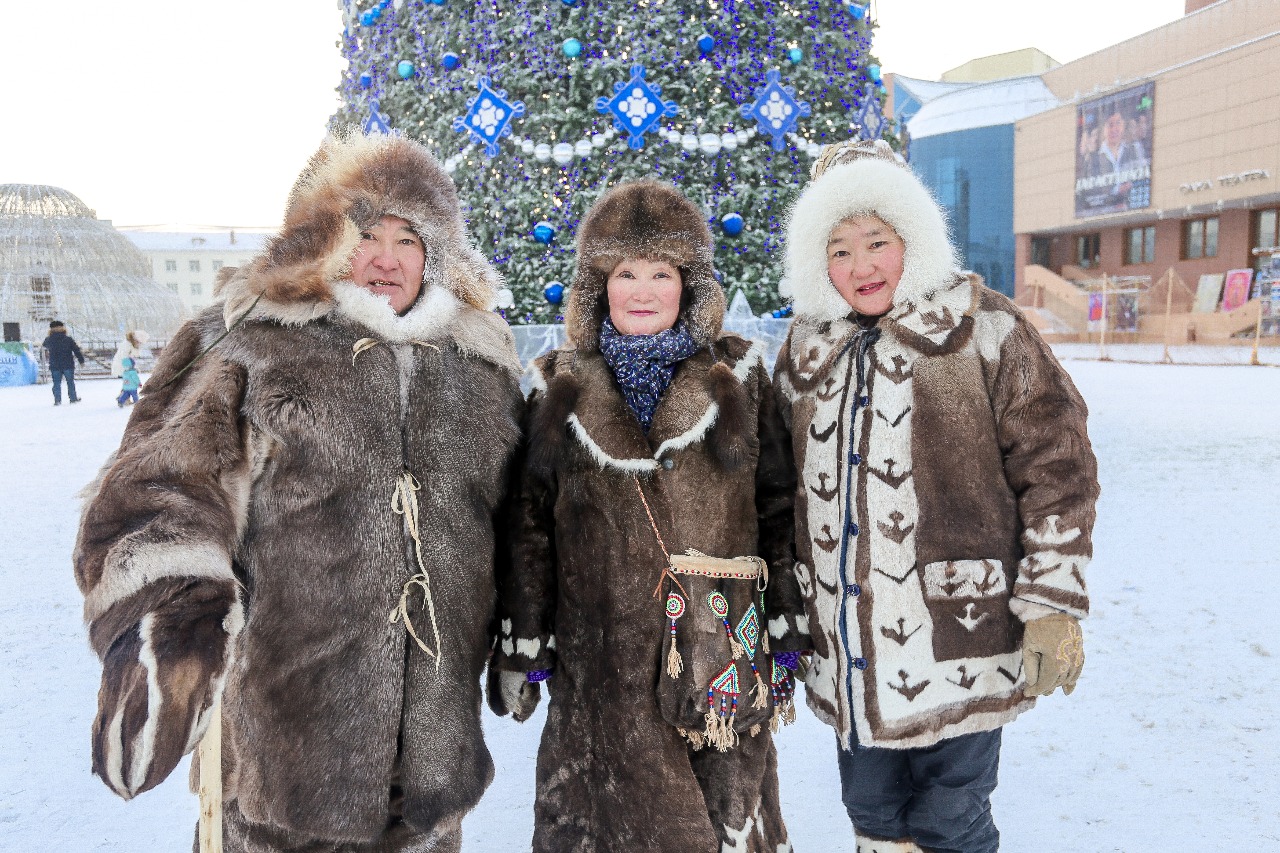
131,383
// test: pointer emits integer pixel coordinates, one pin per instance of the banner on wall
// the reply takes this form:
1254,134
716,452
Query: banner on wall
1113,152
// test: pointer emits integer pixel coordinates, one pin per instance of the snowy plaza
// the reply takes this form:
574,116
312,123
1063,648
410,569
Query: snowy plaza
1168,744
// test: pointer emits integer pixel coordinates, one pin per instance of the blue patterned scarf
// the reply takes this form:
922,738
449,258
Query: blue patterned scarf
645,364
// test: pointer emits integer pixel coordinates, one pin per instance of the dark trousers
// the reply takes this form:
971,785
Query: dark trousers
58,375
939,796
127,395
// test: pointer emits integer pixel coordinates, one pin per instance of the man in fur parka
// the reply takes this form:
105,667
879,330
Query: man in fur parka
580,603
299,523
945,505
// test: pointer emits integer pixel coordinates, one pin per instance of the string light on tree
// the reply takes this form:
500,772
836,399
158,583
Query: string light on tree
515,117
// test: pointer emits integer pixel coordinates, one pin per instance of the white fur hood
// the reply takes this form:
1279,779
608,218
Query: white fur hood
867,186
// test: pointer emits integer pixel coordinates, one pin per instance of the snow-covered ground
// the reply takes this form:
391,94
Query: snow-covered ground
1168,744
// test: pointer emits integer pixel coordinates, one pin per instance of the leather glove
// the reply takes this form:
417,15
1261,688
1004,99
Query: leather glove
1052,654
159,679
512,693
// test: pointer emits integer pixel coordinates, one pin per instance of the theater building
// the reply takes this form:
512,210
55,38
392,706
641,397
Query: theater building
1162,153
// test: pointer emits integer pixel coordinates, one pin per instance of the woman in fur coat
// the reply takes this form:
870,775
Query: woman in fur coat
648,398
299,522
944,510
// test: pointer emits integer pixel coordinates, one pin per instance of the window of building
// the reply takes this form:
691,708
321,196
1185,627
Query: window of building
1200,238
193,266
1140,245
173,285
217,265
170,266
1040,250
1088,250
1266,235
196,288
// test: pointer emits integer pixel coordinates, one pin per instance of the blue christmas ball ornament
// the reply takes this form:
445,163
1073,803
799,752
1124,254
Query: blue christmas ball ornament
874,71
405,69
438,2
366,18
795,55
553,293
706,43
777,313
544,231
569,2
365,81
732,224
571,47
858,10
450,61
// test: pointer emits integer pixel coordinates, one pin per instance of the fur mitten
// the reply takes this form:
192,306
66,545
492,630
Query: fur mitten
160,679
512,693
1052,654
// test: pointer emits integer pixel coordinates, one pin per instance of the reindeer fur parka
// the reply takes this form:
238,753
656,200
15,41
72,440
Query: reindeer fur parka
715,469
253,534
947,485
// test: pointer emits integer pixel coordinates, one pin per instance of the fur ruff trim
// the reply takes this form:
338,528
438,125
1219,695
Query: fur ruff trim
349,184
869,186
654,221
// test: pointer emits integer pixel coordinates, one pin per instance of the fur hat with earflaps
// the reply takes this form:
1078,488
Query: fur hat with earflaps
863,179
652,221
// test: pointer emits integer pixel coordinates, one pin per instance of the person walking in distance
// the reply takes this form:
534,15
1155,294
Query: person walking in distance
63,352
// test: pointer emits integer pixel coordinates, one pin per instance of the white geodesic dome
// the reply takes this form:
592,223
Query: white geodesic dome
59,261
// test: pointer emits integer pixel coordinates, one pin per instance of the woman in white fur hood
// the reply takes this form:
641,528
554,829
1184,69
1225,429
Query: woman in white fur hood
944,509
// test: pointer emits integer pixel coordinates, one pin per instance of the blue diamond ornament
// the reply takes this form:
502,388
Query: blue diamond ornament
871,117
776,109
636,106
376,122
489,116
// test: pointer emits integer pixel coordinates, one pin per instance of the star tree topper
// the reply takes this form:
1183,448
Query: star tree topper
776,109
636,106
489,116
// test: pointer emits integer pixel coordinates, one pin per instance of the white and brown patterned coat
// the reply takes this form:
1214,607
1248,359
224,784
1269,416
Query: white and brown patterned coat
246,541
947,485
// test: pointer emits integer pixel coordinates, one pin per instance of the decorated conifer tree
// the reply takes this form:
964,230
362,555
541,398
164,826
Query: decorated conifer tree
536,107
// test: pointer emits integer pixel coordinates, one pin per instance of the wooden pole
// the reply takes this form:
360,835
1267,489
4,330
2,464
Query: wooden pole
1257,334
211,785
1102,355
1168,313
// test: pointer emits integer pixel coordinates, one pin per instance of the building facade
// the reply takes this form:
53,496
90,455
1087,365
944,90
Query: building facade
962,143
186,260
1163,154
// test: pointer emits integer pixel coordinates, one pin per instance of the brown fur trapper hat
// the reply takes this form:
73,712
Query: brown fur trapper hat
350,183
653,221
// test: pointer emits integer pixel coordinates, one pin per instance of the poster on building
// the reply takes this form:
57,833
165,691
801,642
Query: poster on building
1208,292
1113,152
1236,291
1095,307
1126,312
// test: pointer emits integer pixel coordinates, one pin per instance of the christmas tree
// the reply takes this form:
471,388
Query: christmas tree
537,106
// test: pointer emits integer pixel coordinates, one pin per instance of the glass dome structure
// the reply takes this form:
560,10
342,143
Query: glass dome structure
59,261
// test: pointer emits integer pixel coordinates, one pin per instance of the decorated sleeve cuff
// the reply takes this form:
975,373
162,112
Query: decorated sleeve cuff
515,653
789,633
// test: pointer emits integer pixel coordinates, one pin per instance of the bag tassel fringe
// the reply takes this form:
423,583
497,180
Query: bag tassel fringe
760,700
675,664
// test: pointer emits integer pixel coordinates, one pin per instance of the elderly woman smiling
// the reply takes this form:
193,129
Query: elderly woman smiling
651,434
